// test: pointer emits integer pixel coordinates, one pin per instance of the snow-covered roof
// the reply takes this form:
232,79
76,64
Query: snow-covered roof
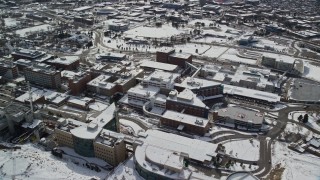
101,82
186,97
197,83
196,149
185,118
158,65
251,93
241,114
64,60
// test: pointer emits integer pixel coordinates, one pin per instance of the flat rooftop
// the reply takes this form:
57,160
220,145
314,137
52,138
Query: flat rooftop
67,60
196,83
101,82
180,55
148,91
304,91
185,118
196,149
186,97
241,114
251,93
158,65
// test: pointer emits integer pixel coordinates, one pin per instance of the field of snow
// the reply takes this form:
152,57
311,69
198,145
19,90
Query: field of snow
311,71
312,121
33,163
215,51
165,31
23,32
297,166
125,171
243,149
293,128
231,55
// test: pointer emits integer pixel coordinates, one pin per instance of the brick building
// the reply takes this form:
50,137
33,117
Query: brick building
78,83
8,70
172,57
184,122
65,63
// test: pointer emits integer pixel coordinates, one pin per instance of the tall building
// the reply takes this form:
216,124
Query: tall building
27,54
8,70
172,57
43,75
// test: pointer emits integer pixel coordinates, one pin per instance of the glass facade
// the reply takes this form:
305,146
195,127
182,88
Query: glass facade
83,147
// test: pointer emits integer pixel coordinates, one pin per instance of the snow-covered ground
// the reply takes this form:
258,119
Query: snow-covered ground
125,171
246,167
293,128
43,27
243,149
312,120
32,163
297,166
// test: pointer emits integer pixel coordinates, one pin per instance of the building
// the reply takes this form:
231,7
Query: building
239,118
65,63
161,155
43,96
110,56
27,54
161,79
291,66
118,26
184,122
251,95
204,89
102,85
78,83
23,63
94,139
43,75
108,85
172,57
186,102
8,70
139,95
80,103
152,66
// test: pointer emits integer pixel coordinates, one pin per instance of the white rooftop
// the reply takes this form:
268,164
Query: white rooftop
65,60
251,93
196,83
185,118
196,149
101,82
158,65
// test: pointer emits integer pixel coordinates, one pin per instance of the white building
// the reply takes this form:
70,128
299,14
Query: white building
161,79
